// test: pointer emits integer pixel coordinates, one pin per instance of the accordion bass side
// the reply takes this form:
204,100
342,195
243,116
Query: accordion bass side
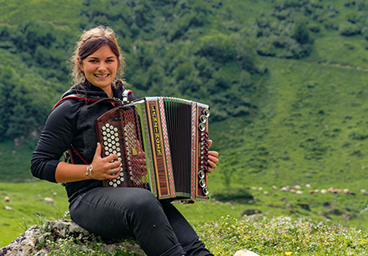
170,134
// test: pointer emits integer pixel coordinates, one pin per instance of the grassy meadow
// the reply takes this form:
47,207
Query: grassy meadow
28,207
308,133
310,129
303,134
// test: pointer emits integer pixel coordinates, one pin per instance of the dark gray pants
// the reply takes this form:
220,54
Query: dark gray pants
158,226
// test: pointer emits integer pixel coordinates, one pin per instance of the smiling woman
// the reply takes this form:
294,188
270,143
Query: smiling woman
106,211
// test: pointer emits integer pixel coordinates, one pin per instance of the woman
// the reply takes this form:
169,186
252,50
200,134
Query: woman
109,212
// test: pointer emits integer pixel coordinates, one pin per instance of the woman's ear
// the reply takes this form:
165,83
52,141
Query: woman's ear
80,63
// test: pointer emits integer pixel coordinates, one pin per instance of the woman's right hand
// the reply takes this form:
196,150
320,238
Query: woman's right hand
105,168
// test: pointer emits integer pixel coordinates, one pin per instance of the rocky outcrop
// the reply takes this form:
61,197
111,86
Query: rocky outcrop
36,240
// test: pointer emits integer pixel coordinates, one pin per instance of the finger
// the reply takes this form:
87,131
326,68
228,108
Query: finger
115,164
211,164
209,170
209,143
113,173
98,150
140,148
111,158
213,153
213,159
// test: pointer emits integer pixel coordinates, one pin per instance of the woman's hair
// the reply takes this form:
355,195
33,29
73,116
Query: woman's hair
90,41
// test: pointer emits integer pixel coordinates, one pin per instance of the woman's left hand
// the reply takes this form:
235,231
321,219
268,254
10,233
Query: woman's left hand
212,158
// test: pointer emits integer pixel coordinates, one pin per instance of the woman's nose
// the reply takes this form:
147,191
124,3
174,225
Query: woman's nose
101,66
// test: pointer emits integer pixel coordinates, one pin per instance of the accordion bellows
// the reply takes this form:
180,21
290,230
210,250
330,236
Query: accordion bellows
162,144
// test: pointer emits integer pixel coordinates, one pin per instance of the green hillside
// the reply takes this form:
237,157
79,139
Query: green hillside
285,79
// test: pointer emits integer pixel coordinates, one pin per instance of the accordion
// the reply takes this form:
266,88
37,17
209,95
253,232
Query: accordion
170,136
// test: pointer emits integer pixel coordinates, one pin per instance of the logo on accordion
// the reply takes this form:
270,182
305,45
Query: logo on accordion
156,131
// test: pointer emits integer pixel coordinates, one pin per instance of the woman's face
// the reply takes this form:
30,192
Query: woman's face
100,68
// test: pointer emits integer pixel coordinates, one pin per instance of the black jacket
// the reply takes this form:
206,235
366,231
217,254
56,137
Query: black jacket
72,122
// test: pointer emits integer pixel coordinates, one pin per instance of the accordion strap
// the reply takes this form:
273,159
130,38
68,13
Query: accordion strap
85,98
126,95
95,100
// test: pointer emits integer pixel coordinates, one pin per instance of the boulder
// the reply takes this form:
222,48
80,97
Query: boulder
34,240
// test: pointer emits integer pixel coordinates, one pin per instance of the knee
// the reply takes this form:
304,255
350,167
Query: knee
143,200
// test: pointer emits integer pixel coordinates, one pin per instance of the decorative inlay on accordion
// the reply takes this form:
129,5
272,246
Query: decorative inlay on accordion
171,134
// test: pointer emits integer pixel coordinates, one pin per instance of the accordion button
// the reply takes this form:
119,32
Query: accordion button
202,183
107,124
118,153
118,149
116,139
202,119
114,152
117,144
115,185
119,158
115,129
118,182
201,174
103,127
201,127
104,133
206,112
111,183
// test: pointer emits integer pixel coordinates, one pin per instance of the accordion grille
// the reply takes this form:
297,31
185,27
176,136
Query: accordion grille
178,121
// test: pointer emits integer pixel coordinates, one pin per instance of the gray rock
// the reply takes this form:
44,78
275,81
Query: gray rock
34,237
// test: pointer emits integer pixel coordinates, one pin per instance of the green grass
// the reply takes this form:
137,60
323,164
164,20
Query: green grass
15,162
28,207
310,129
282,236
346,51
